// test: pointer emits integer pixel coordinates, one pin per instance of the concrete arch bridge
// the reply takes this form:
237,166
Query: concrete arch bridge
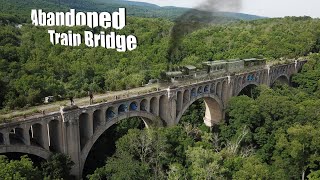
74,132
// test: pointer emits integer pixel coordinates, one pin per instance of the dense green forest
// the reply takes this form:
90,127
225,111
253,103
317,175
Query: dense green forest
58,166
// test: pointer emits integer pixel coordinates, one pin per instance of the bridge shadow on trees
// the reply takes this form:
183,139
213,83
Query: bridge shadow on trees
105,146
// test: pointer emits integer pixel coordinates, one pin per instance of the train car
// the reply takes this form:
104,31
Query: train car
189,70
213,67
210,68
235,65
253,62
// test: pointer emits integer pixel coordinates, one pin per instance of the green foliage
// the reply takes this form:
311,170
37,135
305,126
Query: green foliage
205,163
309,78
253,168
58,166
31,68
22,169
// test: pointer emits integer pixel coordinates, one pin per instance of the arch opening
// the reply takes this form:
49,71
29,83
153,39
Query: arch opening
213,88
281,80
250,91
123,108
55,136
186,96
205,109
36,135
105,145
97,119
200,90
179,102
16,136
219,89
144,105
163,103
110,113
133,106
84,129
153,105
206,89
193,93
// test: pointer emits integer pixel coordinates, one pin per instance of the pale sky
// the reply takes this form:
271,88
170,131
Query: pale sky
268,8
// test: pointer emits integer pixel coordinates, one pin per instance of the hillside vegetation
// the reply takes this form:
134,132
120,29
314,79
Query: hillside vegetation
32,68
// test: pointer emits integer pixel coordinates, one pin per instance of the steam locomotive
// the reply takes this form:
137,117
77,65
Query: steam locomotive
212,68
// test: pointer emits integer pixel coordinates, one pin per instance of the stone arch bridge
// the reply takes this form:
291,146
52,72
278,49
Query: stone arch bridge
74,132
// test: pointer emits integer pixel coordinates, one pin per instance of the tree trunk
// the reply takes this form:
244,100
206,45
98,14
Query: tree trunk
303,174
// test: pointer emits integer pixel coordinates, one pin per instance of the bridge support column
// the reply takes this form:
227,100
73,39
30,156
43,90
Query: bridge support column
45,137
209,122
26,136
6,138
90,131
170,108
72,139
214,112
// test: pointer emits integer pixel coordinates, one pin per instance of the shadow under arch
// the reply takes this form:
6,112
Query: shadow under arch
248,84
282,79
213,112
149,120
33,150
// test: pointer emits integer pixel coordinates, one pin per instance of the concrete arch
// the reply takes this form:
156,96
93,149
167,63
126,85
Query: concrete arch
224,92
154,108
200,90
123,108
149,119
97,119
186,96
244,86
214,108
193,93
37,136
206,89
213,88
34,150
144,105
55,135
16,136
85,128
282,78
110,113
163,103
219,89
133,106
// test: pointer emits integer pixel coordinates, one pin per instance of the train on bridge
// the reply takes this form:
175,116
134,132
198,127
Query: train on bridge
211,68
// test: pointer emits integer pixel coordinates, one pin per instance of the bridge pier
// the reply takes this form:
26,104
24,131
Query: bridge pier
72,140
45,137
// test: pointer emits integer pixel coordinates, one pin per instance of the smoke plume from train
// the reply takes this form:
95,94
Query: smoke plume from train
194,19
